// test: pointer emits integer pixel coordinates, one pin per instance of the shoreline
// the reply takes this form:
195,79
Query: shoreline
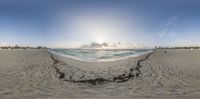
133,71
119,78
101,60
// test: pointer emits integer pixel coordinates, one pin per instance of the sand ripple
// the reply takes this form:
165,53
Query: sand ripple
39,74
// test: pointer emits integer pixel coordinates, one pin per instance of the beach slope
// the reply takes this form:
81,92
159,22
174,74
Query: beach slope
163,74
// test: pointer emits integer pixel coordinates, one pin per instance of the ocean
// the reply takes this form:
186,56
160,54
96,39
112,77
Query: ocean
100,54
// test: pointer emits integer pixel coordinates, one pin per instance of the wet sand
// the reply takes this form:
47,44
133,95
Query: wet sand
27,74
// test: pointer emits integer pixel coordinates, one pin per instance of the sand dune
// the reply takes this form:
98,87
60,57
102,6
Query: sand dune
41,74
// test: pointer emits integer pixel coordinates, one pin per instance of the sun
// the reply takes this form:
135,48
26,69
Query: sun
100,40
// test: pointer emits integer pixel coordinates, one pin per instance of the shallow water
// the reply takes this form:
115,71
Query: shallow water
100,54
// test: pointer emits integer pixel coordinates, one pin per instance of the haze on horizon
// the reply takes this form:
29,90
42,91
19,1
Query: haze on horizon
75,23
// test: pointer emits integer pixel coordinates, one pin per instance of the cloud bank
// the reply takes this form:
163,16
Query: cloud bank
118,45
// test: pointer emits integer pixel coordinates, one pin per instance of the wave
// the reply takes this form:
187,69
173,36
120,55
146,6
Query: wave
100,55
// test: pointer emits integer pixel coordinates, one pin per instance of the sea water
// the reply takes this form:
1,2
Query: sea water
100,54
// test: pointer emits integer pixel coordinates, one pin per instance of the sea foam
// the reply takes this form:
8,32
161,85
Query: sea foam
100,54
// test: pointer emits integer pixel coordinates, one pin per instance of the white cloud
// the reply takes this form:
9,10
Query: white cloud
167,26
118,45
3,44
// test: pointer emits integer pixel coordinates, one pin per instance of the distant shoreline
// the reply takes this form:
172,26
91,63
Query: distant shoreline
22,47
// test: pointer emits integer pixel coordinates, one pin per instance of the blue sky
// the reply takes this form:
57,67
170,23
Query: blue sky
71,23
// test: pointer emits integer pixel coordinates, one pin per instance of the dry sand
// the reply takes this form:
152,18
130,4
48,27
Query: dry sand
27,74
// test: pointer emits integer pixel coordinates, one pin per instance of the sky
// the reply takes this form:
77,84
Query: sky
73,23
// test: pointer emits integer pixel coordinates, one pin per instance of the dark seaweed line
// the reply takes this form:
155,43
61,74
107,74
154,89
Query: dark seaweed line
55,61
124,77
121,78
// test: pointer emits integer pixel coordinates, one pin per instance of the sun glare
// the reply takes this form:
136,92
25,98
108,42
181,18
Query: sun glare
100,40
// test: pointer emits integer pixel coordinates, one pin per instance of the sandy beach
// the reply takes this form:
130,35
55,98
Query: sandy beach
40,74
